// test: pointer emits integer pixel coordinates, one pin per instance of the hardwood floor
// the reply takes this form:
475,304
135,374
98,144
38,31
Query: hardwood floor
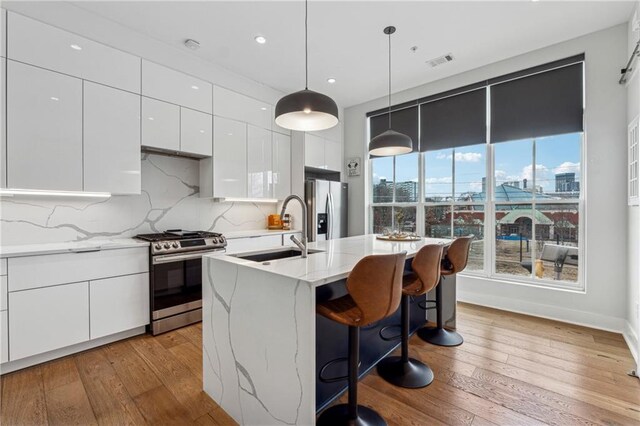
512,370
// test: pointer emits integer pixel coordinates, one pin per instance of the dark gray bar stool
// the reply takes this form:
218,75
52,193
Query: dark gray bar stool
374,290
402,370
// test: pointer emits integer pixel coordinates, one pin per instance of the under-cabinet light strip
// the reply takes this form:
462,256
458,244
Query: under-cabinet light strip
40,193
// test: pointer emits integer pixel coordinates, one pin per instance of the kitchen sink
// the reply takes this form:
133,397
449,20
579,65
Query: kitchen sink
264,256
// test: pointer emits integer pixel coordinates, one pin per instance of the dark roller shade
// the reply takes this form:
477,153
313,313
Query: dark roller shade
544,104
455,121
403,121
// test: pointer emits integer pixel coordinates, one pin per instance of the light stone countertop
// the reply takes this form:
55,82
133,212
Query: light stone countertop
67,247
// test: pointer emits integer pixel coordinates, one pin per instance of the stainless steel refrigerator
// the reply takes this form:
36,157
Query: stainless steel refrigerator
326,209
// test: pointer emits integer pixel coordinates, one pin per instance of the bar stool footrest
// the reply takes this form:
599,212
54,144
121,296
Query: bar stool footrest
339,415
423,305
324,379
410,374
440,336
389,338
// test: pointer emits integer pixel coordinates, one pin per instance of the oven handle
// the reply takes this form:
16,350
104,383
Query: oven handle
157,260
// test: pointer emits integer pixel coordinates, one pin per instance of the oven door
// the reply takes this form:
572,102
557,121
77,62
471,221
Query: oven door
176,283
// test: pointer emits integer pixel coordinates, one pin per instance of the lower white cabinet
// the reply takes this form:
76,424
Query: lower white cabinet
4,336
111,130
118,304
3,293
45,319
196,133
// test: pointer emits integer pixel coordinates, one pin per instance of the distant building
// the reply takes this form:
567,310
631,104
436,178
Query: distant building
566,182
408,189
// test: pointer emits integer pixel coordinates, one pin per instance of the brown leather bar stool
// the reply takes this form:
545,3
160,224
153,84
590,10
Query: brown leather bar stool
454,261
374,290
402,370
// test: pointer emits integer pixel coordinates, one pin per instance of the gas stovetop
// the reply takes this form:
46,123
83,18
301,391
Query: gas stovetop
177,240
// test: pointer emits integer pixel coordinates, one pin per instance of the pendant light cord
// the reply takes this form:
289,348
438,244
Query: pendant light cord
389,80
306,46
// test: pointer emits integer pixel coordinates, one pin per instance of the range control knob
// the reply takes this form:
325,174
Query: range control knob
175,245
166,245
157,247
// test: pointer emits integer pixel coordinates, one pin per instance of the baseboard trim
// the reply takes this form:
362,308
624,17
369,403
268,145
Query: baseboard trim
570,316
19,364
632,340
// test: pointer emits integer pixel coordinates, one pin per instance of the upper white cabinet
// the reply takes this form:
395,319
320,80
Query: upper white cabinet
3,32
111,140
322,153
281,166
225,175
160,125
44,129
259,166
178,88
35,43
196,132
3,121
230,104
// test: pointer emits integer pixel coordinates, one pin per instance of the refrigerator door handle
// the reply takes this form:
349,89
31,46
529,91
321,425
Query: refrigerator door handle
327,208
331,216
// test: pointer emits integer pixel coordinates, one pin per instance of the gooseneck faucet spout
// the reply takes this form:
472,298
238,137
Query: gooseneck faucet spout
301,244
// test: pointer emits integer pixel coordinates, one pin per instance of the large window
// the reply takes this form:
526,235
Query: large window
515,183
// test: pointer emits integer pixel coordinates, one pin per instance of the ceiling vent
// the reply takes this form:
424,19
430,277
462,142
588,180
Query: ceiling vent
440,60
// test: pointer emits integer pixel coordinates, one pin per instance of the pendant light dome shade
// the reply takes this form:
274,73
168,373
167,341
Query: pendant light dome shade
306,110
390,143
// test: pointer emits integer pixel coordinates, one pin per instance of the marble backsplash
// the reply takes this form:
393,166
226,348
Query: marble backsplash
169,200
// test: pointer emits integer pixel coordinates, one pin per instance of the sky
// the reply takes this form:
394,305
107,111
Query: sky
513,162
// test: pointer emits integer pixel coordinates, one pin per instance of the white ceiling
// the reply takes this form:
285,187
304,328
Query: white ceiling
346,40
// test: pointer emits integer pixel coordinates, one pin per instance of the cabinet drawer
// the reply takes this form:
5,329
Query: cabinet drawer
3,293
229,104
254,243
4,336
35,43
173,86
41,271
118,304
45,319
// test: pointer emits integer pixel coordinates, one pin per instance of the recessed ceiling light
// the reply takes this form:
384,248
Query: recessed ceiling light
260,40
263,108
151,118
76,47
331,80
53,98
192,44
195,87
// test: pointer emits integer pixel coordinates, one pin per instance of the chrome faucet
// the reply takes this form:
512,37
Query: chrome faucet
301,244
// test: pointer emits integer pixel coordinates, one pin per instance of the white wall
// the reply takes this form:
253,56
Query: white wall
603,305
632,329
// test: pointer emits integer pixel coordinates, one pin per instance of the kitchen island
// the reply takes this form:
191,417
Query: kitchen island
263,344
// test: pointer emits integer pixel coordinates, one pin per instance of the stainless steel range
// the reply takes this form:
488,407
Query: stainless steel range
176,276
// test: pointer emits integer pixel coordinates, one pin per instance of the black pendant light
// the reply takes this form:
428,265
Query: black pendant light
390,142
306,110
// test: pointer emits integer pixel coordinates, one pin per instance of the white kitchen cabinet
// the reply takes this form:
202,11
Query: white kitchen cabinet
333,155
40,271
3,119
118,304
160,125
314,151
3,293
111,140
4,336
3,33
3,266
39,44
233,105
225,174
44,125
259,166
168,85
257,242
45,319
281,165
196,132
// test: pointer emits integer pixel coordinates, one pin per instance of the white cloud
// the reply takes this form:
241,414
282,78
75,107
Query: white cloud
567,167
432,180
442,156
475,186
468,157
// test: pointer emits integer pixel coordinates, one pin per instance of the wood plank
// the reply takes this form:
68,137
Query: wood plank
189,356
562,402
221,417
178,379
59,372
23,400
159,407
193,334
69,405
171,339
111,403
479,421
134,373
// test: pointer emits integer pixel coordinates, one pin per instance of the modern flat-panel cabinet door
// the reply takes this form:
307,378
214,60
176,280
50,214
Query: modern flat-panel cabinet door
4,336
172,86
3,122
333,155
229,158
45,319
230,104
196,132
44,125
111,140
281,165
314,151
118,304
160,125
259,167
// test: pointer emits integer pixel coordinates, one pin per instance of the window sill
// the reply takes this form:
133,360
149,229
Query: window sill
527,282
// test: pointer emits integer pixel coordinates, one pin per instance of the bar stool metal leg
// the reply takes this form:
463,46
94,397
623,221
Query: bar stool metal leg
401,370
439,335
351,413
